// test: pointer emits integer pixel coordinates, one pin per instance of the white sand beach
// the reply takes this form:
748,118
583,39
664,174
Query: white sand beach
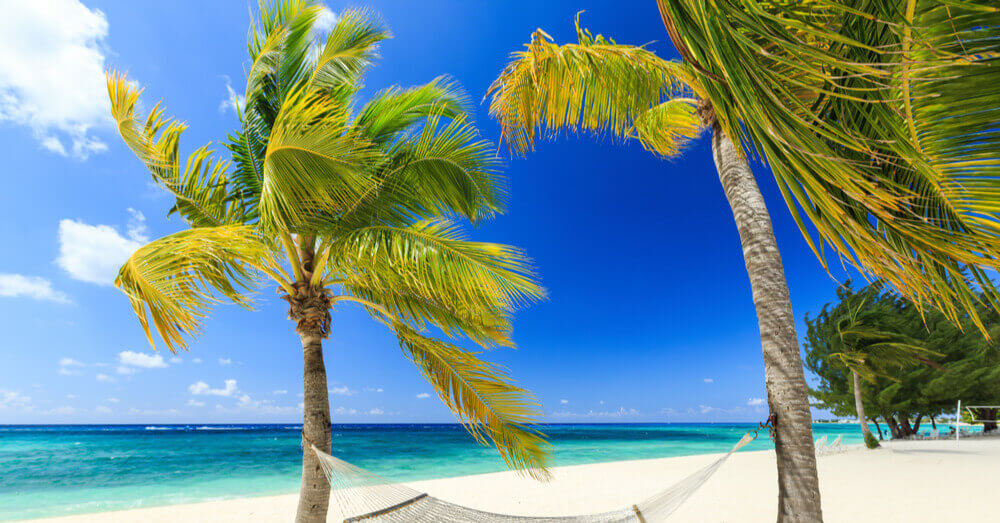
905,481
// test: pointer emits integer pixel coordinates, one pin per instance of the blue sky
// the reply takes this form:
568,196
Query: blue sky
649,318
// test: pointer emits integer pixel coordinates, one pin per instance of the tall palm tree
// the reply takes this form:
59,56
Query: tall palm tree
860,111
868,339
338,206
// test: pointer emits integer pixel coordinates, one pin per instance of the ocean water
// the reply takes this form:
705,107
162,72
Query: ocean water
62,470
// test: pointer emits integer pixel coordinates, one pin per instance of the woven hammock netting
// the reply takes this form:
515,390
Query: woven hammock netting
366,497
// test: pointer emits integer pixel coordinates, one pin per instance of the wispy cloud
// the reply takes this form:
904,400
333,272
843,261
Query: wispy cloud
141,359
33,287
233,101
202,388
342,391
423,396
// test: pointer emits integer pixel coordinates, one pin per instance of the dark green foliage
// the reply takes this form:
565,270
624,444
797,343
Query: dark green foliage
965,366
870,441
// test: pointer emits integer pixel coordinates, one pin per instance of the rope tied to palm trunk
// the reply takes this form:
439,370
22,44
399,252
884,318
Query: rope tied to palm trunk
309,308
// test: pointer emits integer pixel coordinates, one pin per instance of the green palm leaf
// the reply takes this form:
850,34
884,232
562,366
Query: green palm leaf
176,277
490,407
350,48
201,191
595,85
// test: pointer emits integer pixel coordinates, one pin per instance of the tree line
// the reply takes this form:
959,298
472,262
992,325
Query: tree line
911,364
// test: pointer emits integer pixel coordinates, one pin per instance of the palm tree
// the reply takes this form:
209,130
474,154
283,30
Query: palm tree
338,206
868,339
860,115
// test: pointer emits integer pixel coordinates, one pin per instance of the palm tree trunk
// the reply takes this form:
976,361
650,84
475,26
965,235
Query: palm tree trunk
860,406
798,483
314,496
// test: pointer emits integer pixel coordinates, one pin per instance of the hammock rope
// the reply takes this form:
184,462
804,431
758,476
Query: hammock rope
366,497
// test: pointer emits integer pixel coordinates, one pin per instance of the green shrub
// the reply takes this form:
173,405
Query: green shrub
870,441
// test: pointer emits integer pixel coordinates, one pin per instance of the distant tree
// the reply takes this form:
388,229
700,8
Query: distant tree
866,334
967,366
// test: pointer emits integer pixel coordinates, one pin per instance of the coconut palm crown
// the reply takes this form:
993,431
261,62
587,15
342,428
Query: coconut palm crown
339,202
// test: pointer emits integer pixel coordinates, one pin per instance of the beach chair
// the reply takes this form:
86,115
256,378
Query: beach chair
821,445
934,434
837,443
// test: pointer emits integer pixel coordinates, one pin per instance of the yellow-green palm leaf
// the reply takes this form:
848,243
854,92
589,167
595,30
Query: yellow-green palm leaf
177,277
486,402
595,85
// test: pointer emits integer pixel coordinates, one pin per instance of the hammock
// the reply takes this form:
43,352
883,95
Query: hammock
365,497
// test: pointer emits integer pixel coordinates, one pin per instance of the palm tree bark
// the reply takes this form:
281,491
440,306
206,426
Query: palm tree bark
798,483
314,496
860,406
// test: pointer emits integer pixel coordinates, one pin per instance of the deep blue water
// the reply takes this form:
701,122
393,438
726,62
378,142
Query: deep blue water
60,470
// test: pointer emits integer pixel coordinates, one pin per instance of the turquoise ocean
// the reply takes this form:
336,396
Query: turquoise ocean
61,470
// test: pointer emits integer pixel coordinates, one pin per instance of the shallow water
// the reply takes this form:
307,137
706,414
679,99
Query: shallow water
61,470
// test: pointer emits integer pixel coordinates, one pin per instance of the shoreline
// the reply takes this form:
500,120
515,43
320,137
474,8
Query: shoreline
909,476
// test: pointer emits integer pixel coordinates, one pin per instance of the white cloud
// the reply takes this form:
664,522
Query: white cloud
52,63
373,389
195,403
342,391
342,411
34,287
69,367
376,412
13,398
423,396
755,402
102,409
225,361
233,101
281,392
325,21
71,396
564,401
105,378
122,369
202,388
709,380
196,360
113,400
175,359
141,359
94,253
65,409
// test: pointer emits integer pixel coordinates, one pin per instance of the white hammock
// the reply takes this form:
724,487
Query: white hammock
365,497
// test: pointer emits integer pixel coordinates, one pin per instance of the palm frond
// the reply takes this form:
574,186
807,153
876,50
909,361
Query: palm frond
483,398
173,280
201,190
595,85
395,110
350,48
431,259
445,169
287,25
862,112
314,164
668,128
